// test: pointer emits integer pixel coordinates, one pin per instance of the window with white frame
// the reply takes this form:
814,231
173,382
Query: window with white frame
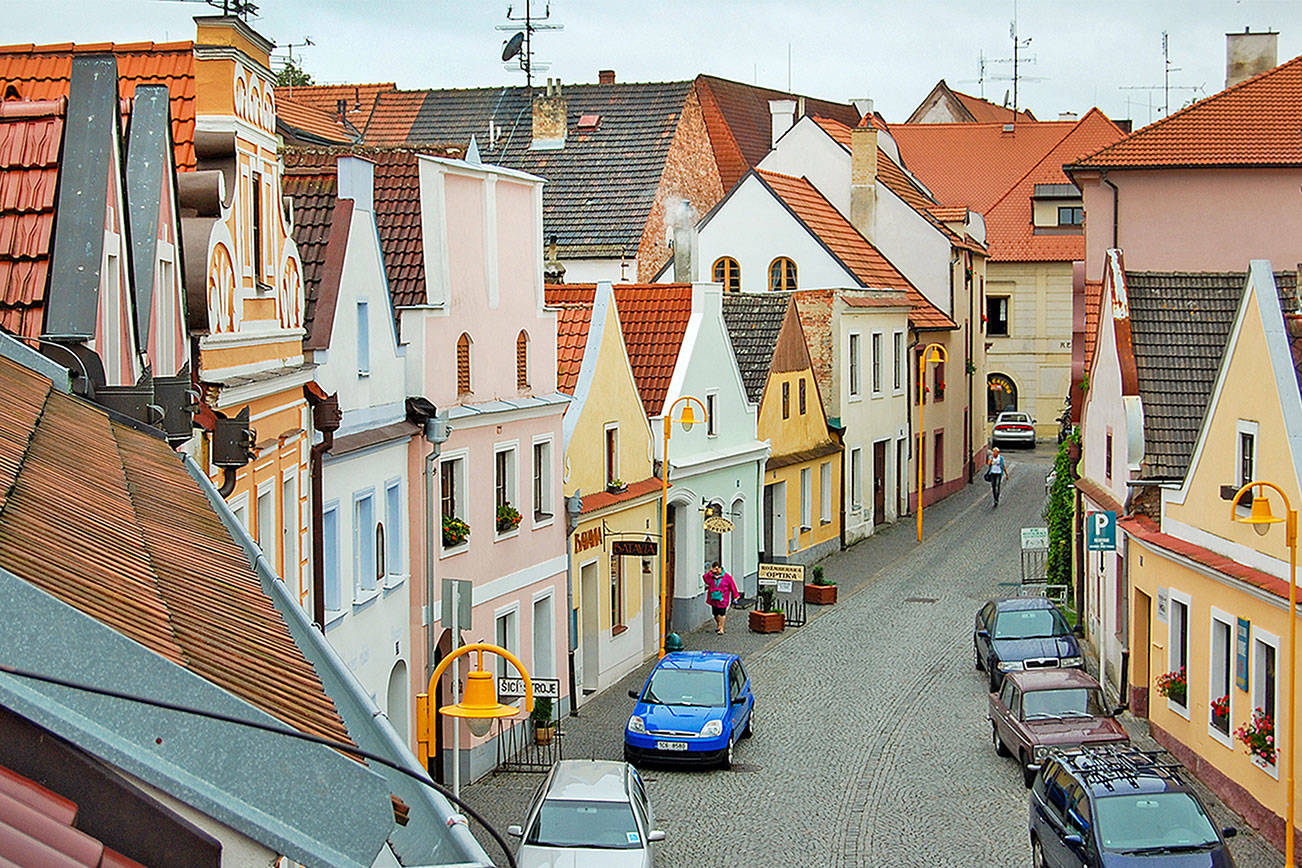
1221,658
452,478
856,478
506,631
1178,643
334,591
806,498
267,519
363,338
825,492
1265,656
897,361
364,553
617,625
393,524
853,365
166,308
711,414
504,485
544,665
542,480
289,528
877,363
1245,457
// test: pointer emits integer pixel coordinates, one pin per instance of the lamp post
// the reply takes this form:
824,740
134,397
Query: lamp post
479,706
1261,518
688,418
930,353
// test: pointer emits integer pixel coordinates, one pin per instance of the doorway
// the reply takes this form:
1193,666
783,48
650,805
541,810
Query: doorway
775,523
671,563
1139,651
590,610
713,541
901,492
879,482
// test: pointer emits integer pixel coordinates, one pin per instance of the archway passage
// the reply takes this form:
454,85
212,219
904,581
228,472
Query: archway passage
1001,394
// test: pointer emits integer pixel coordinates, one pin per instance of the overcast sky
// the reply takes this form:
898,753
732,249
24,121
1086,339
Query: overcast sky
1081,54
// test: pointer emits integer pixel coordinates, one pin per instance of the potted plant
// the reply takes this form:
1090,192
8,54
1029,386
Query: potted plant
616,486
1174,686
543,725
1221,713
508,518
821,591
767,616
1258,737
455,531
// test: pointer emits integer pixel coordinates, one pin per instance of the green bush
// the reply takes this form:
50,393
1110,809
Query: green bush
542,712
1058,512
819,578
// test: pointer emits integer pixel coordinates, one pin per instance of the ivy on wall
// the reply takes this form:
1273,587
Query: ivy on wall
1059,510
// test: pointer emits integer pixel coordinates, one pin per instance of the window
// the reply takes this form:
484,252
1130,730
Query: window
289,570
782,275
1247,450
463,364
612,454
257,228
898,360
938,458
997,315
806,498
449,472
330,556
786,400
854,365
504,477
1178,641
506,632
728,273
522,360
825,492
1107,457
938,381
393,524
166,312
363,339
1265,654
856,478
542,480
617,594
1221,657
711,414
802,396
877,363
267,520
922,375
364,553
544,665
1071,216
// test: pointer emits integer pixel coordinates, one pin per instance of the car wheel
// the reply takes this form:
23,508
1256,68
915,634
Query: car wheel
1037,854
977,660
1028,774
726,762
628,757
1000,750
750,725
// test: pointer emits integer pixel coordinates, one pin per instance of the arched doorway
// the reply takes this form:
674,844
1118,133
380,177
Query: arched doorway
1001,394
738,559
713,540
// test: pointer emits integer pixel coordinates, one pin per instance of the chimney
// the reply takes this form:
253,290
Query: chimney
863,106
680,217
863,179
1248,54
606,76
549,118
1067,116
783,114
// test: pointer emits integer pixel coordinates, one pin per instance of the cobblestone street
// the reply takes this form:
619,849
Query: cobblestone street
871,741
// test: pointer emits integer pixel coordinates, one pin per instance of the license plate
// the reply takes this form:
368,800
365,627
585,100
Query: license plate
671,745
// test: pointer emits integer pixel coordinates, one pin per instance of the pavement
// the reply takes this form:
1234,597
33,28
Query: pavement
871,745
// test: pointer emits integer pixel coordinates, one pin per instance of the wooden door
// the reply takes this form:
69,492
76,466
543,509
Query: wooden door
1139,655
671,566
879,482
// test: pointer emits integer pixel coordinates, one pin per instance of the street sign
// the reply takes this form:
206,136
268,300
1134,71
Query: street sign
1101,531
1035,539
1241,654
543,688
1163,604
772,574
644,548
458,593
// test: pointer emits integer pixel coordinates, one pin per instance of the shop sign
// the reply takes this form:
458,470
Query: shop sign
770,574
587,539
718,524
543,688
634,547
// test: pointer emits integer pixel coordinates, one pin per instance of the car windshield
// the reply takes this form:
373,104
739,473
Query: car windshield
1154,823
1029,624
1063,702
1014,417
685,687
572,823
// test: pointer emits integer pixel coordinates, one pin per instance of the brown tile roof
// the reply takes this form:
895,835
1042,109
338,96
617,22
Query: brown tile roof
311,181
40,72
983,111
1093,300
602,499
107,519
301,117
359,99
29,172
1254,123
392,115
1146,530
654,320
754,321
397,217
572,322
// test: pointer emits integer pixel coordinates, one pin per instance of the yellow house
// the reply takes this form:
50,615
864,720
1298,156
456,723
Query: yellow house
1209,596
802,477
612,498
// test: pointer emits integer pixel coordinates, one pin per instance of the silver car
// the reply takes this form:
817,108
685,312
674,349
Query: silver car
588,813
1013,427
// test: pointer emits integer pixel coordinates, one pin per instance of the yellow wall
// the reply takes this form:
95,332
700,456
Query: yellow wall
634,520
793,434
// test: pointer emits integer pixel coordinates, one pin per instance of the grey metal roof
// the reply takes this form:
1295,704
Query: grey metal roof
754,322
149,171
1179,325
1056,191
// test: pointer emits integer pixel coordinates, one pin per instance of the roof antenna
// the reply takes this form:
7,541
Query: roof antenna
520,46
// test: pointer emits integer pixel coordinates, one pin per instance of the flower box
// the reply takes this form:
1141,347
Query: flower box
767,622
616,487
820,595
508,518
455,531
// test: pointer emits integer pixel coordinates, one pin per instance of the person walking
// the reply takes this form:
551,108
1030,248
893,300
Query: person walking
996,472
720,591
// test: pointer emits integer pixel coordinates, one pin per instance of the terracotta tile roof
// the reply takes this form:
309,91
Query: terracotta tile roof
311,183
1254,123
654,320
985,112
302,117
397,218
391,117
602,499
572,322
136,545
40,72
754,321
1093,299
359,99
949,214
1146,530
864,261
29,173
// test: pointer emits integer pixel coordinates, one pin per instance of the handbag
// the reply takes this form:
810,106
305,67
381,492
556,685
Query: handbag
989,475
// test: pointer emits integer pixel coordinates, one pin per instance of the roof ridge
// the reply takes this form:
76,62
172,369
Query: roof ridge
65,47
1035,165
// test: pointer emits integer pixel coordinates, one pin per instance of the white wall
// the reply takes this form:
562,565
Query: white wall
806,151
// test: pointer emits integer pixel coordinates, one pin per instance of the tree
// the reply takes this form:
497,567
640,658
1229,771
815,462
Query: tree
1058,512
291,75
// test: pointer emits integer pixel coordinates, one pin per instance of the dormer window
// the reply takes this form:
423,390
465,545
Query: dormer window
1071,215
728,273
463,364
782,275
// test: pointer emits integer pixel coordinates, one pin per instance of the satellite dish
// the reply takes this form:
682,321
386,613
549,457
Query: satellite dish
513,46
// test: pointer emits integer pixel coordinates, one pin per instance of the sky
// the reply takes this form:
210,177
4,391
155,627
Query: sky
1104,53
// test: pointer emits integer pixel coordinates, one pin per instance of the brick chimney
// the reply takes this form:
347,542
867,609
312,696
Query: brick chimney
782,113
549,118
863,179
606,76
1248,54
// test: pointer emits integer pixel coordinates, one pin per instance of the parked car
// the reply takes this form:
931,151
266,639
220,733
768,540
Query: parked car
588,813
1121,806
1013,427
1023,633
694,707
1036,711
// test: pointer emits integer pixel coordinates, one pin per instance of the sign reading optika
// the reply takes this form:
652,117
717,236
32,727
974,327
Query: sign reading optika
718,524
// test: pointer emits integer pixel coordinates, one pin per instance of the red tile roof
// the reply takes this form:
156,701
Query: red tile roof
983,111
40,72
856,253
1143,528
1093,303
393,113
304,117
1254,123
359,99
311,181
397,218
572,322
137,546
37,828
602,499
654,320
30,136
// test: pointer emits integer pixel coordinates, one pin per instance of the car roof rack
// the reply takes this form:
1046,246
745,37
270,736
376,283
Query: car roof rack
1108,764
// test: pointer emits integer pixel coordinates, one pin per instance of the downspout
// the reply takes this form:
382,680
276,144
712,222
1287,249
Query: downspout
1116,202
228,482
573,507
908,413
326,416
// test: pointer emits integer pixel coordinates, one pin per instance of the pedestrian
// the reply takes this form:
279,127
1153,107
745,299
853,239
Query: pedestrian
720,591
996,472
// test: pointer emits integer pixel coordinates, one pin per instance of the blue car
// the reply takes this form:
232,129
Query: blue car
694,707
1019,633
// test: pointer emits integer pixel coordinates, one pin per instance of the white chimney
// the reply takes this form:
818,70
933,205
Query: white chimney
783,115
680,217
863,106
1248,54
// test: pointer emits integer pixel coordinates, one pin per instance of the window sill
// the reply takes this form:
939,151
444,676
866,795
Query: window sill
824,522
449,551
804,528
1272,770
364,598
617,630
1218,735
854,397
509,534
333,616
363,374
543,520
1181,710
393,581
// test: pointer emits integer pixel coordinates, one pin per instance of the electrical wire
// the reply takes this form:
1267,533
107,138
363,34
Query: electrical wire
277,730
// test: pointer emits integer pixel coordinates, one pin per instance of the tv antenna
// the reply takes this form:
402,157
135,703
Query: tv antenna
290,46
242,9
521,44
1166,87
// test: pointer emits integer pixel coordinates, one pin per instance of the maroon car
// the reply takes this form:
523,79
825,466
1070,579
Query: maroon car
1038,710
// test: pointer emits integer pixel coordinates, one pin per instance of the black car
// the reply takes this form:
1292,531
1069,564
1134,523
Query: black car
1023,633
1111,806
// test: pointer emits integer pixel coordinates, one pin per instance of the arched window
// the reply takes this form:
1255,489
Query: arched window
728,273
782,275
1001,394
522,360
463,363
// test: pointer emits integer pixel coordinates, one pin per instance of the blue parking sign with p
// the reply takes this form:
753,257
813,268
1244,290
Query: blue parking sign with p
1101,531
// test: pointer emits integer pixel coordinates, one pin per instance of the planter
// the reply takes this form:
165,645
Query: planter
1221,722
543,734
1260,762
767,622
820,595
616,489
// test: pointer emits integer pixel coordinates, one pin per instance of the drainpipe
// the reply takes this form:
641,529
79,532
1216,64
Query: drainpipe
228,482
1115,204
908,414
326,417
573,507
436,430
970,367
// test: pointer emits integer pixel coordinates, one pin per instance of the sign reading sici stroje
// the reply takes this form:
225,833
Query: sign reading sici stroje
543,688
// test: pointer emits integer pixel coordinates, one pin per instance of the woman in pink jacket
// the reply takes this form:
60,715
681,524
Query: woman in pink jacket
720,591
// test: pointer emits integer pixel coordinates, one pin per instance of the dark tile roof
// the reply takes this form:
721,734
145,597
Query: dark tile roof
1179,324
754,322
311,184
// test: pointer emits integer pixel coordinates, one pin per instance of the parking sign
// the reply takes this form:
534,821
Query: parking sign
1101,531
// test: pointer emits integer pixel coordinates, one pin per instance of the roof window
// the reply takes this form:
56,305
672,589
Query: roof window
589,122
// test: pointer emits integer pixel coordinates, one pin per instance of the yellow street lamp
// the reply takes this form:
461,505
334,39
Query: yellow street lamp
688,419
930,353
479,707
1261,518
